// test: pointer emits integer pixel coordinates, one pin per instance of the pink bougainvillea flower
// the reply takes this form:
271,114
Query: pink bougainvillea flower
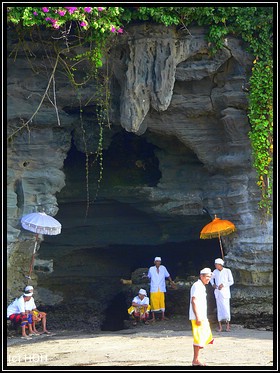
62,12
113,29
83,24
120,30
88,9
71,9
99,9
53,21
35,13
45,10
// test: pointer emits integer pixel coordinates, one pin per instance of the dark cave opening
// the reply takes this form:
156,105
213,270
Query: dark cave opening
91,273
182,259
128,161
120,233
115,314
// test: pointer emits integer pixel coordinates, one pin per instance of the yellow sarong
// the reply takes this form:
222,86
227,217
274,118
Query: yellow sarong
202,334
38,315
138,310
157,301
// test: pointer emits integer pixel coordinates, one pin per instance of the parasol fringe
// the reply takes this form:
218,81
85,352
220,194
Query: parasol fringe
216,234
40,223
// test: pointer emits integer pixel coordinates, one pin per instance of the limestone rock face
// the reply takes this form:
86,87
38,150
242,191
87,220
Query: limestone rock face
205,109
178,145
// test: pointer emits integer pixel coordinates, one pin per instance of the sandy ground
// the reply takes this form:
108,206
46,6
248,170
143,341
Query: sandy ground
164,343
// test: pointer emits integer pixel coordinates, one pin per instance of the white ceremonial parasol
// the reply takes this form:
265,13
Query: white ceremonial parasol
39,223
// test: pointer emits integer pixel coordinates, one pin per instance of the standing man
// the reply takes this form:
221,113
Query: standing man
221,281
201,330
157,275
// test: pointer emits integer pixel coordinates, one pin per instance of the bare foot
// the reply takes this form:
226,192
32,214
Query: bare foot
36,333
198,364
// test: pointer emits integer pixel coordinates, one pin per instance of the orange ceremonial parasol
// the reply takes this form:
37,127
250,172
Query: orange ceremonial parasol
217,228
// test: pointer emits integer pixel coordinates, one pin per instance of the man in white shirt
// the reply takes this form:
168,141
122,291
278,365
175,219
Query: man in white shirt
157,274
201,330
140,307
17,313
221,281
37,315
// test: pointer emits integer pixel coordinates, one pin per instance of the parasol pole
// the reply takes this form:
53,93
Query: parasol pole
32,260
221,245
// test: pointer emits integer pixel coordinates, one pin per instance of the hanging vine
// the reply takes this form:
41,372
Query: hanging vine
96,25
95,50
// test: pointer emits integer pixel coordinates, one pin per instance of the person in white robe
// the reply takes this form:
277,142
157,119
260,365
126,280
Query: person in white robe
221,281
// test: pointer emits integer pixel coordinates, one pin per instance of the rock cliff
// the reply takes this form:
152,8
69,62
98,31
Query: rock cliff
177,146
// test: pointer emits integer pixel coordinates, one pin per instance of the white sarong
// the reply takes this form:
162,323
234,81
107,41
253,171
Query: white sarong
223,306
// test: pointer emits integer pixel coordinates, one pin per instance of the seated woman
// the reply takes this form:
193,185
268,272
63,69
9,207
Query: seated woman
140,307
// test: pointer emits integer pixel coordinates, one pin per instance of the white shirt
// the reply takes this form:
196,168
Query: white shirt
16,307
141,302
198,290
158,279
30,305
222,277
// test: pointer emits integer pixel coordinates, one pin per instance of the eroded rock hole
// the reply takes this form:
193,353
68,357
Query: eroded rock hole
115,314
130,160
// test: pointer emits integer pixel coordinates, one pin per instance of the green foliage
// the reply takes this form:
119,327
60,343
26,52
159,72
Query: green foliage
261,134
253,24
101,21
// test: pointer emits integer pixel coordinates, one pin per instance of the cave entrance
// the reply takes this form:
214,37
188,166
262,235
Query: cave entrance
115,314
182,259
90,278
122,231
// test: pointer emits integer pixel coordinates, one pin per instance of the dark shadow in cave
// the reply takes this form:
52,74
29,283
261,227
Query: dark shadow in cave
181,259
120,234
130,159
115,314
76,273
